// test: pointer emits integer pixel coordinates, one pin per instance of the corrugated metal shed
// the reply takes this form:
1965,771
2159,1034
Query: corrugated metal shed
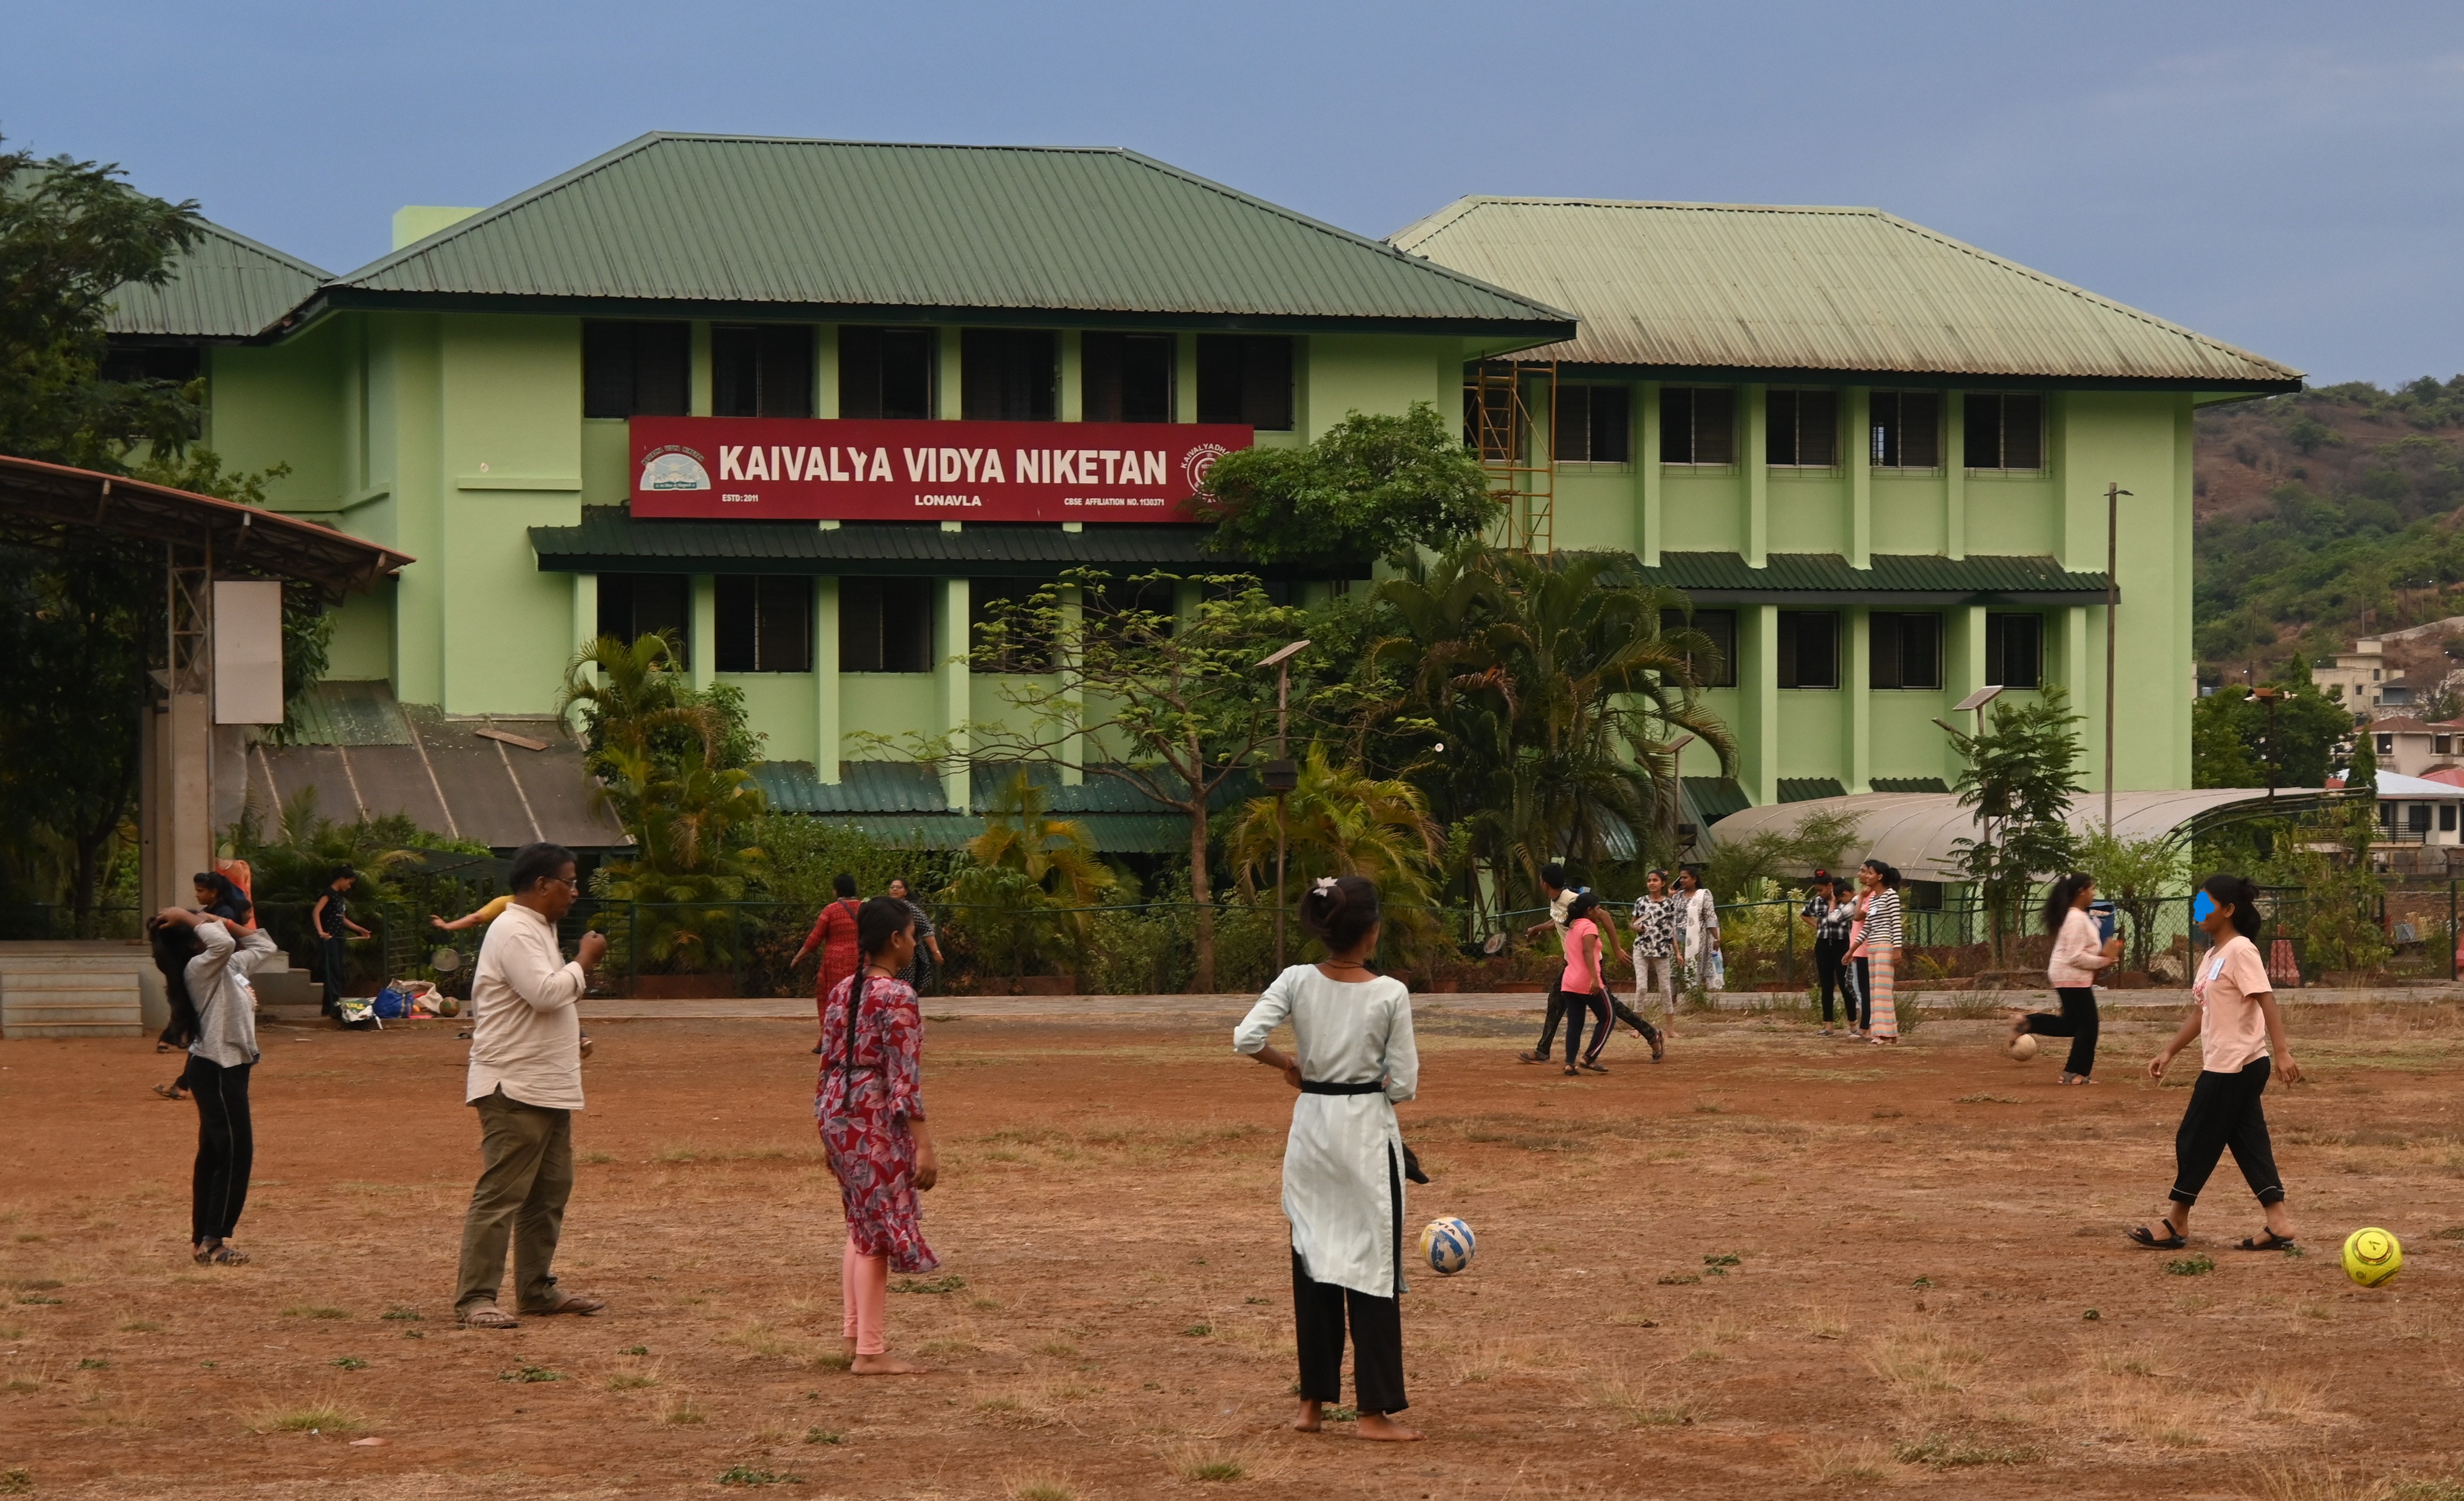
796,227
225,286
900,803
1744,287
611,541
1724,578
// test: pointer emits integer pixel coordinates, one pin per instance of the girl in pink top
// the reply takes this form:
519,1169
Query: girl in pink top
2238,1022
2080,952
1585,995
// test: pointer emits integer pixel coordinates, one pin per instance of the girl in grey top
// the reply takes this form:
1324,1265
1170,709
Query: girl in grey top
199,952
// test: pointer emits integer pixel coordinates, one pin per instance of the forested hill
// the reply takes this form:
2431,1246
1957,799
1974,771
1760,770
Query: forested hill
2323,515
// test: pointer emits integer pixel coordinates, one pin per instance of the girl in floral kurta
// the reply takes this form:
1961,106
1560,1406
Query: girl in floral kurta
870,1106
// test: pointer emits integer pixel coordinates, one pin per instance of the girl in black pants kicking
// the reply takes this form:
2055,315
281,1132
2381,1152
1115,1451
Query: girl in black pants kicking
2079,952
2239,1024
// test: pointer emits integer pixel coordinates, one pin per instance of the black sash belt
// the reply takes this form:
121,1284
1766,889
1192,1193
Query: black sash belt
1317,1087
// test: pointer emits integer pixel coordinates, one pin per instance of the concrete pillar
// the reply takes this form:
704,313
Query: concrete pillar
1073,616
586,610
2082,673
1073,405
1757,480
1966,668
1860,477
1758,687
1860,679
703,648
826,370
957,693
1954,478
949,395
699,398
826,731
1184,378
1648,479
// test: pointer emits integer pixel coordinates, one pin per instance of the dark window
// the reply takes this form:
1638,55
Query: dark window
1027,650
1906,650
2387,745
1008,374
1245,378
1592,425
1502,437
1801,429
765,623
2447,817
1697,424
633,606
1809,649
1113,599
636,369
177,364
1921,896
761,371
1125,377
2387,815
2014,651
885,624
2416,817
2004,431
1720,626
1906,429
887,372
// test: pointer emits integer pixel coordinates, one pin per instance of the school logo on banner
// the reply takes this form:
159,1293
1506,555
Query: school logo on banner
1194,464
674,467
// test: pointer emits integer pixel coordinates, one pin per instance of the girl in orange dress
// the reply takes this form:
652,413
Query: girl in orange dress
834,934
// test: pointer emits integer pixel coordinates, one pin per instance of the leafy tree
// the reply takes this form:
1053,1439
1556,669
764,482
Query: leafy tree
71,233
2229,737
1340,821
1819,842
692,857
1554,694
1173,706
2137,875
2019,781
1367,487
635,697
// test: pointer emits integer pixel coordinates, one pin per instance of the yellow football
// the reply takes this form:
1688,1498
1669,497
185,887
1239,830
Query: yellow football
2372,1256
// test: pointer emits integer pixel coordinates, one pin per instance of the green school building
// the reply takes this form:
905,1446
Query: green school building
813,404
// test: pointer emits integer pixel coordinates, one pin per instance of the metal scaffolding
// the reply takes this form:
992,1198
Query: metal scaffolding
1511,409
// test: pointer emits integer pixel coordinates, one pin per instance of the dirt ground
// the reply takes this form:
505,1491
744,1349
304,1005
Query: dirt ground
1776,1266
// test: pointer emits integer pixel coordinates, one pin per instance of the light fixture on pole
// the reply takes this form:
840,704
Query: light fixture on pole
1976,702
2270,696
1280,775
2113,494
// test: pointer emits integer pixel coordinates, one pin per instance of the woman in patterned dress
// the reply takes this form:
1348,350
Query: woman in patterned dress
834,934
1878,949
869,1104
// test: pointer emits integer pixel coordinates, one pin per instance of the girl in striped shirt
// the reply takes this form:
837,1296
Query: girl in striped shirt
1877,950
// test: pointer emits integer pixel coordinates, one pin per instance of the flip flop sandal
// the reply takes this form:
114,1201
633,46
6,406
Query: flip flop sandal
2273,1241
489,1318
169,1091
2139,1234
227,1256
1596,1068
1530,1057
1571,1071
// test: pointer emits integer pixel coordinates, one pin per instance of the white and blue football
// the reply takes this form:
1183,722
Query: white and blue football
1447,1246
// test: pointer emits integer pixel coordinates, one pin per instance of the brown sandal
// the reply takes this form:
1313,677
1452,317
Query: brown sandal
490,1317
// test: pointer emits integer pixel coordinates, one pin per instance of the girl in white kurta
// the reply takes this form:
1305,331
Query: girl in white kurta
1343,1163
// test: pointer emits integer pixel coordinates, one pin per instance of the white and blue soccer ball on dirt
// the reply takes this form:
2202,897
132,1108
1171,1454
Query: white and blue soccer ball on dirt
1447,1246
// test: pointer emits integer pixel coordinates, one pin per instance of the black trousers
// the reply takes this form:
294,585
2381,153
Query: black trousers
1549,1027
1830,971
1593,1007
1602,1005
1318,1309
226,1148
336,965
1859,1001
2076,1020
2224,1112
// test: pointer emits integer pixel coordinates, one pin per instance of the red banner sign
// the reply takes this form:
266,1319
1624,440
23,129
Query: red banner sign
854,469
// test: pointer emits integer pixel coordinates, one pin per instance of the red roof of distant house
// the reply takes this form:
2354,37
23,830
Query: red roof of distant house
2400,724
2453,776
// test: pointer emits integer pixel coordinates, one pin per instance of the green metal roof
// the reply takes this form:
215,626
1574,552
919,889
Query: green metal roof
611,541
1805,789
1712,799
225,286
342,711
754,227
1910,784
1681,287
1724,578
901,802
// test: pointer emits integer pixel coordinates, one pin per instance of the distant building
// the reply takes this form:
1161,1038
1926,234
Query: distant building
2409,747
2368,679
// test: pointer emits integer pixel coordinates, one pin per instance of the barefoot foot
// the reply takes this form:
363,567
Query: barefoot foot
883,1366
1311,1418
1379,1426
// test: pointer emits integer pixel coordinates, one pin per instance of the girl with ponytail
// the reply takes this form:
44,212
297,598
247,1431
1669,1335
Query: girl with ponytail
1344,1164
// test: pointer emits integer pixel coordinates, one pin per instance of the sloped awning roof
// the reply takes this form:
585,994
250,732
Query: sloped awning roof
1792,292
611,541
1916,832
364,756
225,287
900,803
755,227
1724,578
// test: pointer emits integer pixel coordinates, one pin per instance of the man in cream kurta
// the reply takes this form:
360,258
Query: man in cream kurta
525,1078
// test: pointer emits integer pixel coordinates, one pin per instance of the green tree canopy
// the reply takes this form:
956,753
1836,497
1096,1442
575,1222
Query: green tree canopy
2229,737
2020,777
1367,487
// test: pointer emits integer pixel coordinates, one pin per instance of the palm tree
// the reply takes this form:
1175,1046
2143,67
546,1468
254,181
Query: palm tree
635,695
1341,821
1555,693
1027,864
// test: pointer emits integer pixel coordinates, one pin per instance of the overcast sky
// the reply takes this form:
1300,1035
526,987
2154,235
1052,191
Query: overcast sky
2281,176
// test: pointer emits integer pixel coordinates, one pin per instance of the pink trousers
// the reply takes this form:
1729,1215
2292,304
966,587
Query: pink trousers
864,1291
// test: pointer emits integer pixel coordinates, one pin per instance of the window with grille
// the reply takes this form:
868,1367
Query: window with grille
633,606
764,624
636,369
1025,649
1245,378
761,371
1592,425
1009,374
1809,649
887,372
1125,377
885,624
2417,817
1720,668
1905,429
1697,424
1905,650
1801,430
2447,817
2004,430
2014,651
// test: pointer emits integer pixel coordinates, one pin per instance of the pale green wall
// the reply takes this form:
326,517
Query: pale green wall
283,404
363,641
781,708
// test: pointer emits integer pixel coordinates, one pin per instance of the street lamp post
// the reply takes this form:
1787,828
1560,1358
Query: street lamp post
2270,696
1281,775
